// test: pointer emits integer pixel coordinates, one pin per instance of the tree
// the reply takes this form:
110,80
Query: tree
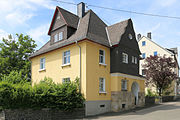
159,71
14,55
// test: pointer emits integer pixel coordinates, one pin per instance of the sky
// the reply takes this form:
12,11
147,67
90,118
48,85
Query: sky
33,17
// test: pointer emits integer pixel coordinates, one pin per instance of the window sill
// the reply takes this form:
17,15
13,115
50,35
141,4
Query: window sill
103,64
102,92
63,65
42,70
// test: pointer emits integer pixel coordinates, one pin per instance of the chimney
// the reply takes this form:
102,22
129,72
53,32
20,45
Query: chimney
139,36
149,35
81,9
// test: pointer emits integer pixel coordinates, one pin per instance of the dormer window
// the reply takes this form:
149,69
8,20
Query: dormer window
60,35
55,37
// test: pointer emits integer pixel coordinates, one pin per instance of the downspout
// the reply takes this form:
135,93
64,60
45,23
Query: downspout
79,66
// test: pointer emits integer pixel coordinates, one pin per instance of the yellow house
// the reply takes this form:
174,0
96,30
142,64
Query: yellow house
105,58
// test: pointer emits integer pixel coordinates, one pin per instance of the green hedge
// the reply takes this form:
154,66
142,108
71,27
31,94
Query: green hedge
46,94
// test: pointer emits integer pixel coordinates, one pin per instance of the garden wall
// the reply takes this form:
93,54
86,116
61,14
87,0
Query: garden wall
43,114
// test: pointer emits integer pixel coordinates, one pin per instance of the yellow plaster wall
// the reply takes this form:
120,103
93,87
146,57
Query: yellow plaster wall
95,71
116,83
54,70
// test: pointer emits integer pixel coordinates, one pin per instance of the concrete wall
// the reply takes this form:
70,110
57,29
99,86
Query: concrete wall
44,114
97,107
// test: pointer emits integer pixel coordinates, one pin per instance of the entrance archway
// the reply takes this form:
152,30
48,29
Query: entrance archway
135,91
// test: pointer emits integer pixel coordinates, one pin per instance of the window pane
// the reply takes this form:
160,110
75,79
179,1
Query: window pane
101,52
144,55
60,35
55,38
101,85
68,59
155,53
143,43
65,60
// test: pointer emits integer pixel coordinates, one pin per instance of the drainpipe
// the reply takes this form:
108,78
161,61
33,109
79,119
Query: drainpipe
79,66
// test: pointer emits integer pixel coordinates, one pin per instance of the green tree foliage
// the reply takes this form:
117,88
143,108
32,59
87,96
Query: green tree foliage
14,54
46,94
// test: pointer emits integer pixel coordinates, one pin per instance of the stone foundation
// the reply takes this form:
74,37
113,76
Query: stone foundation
124,100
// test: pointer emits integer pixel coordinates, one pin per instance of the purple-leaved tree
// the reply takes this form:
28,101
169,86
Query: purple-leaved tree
159,71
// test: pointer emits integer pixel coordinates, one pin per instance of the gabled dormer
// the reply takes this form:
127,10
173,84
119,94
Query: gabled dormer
63,25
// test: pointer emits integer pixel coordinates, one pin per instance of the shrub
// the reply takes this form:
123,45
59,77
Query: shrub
15,78
150,93
46,94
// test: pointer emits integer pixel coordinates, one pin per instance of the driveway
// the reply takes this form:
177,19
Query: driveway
165,111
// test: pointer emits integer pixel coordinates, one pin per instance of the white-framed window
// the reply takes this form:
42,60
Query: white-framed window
143,72
124,58
144,55
133,59
143,43
60,35
101,84
123,84
66,57
102,56
66,80
55,37
42,63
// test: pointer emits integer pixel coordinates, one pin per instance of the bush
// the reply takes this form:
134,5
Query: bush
15,78
150,93
46,94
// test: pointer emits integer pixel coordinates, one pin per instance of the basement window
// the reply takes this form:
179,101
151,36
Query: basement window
102,105
123,106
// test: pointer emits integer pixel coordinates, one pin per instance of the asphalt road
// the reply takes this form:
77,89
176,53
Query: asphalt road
165,111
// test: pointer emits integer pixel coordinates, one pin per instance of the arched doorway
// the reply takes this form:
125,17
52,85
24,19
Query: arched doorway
135,91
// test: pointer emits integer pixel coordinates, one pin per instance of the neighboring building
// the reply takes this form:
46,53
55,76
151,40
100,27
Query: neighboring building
105,58
149,47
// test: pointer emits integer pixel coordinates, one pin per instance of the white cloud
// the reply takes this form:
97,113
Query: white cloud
39,34
166,3
3,34
18,12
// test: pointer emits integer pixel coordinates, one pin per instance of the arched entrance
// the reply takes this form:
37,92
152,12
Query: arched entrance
135,91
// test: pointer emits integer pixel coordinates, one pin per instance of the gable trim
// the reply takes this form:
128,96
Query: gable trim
57,9
108,37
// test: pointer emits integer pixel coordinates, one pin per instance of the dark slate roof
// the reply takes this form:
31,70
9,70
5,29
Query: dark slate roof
89,27
70,18
116,31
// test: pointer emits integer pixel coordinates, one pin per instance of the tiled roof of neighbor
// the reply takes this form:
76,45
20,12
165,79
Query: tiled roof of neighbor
89,27
116,31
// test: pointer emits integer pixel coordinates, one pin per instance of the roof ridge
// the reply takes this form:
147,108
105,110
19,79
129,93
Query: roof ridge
119,22
67,11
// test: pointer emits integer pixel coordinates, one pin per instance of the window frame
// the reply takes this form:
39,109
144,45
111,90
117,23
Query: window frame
64,80
56,37
42,63
61,33
126,58
135,60
143,71
123,88
143,43
103,56
63,56
143,55
156,53
104,85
